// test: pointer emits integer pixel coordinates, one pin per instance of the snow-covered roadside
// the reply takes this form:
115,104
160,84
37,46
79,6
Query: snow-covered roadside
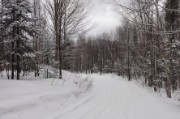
37,98
160,94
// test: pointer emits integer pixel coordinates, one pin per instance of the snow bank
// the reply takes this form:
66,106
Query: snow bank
37,98
161,92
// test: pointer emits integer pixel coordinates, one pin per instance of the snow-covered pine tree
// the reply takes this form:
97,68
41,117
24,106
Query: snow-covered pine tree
19,29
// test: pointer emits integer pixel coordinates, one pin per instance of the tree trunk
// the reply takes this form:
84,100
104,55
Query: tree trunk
129,70
12,47
18,54
60,41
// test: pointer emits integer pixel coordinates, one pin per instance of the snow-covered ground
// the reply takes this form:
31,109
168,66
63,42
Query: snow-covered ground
82,96
39,98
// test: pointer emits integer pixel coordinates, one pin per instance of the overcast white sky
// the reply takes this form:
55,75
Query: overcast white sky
103,16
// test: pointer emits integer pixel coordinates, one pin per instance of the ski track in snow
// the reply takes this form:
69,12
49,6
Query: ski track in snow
111,97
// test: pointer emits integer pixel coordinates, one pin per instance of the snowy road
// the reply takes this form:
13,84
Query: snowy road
119,99
110,97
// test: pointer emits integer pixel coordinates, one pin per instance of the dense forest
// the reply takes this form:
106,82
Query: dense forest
147,44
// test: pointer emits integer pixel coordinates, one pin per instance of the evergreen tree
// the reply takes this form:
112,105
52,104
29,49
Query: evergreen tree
19,29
